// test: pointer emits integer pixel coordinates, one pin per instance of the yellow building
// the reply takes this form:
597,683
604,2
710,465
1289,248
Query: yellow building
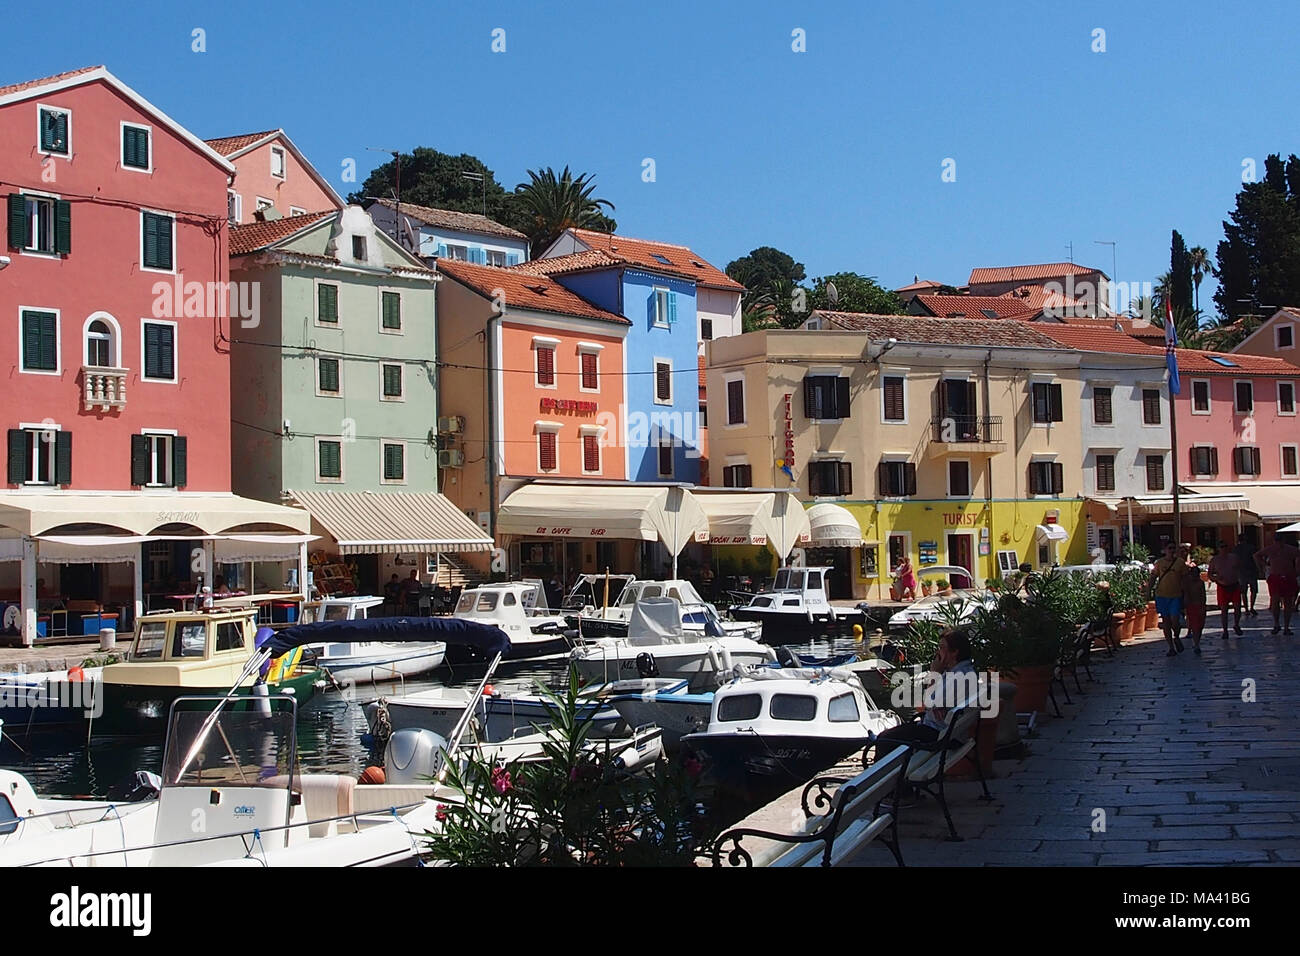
949,441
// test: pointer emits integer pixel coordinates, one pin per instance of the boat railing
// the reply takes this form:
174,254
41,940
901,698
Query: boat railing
105,811
255,833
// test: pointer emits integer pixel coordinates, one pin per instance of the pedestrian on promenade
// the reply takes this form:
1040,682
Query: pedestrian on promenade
1245,552
1279,560
906,580
1226,573
1166,585
1194,605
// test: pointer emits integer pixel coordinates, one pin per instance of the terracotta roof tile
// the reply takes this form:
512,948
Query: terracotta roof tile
1096,336
225,145
920,285
574,262
1038,297
1201,362
46,81
253,236
703,371
525,291
451,219
974,306
681,261
1045,270
925,330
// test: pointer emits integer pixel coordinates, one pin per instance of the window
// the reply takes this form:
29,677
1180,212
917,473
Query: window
264,203
297,211
843,708
55,126
327,380
135,147
1286,398
391,381
1046,478
157,242
832,478
1284,336
487,601
277,162
736,401
738,476
40,331
663,382
545,355
1290,465
825,397
359,248
190,640
327,303
40,456
706,330
1204,460
1245,398
665,456
958,479
793,707
160,351
896,479
663,308
739,707
99,345
1200,397
587,360
704,415
1150,406
1047,403
230,636
547,452
159,460
893,397
329,460
394,461
591,453
234,207
391,307
1155,472
450,251
150,643
1105,472
1102,410
40,224
8,817
1245,460
494,257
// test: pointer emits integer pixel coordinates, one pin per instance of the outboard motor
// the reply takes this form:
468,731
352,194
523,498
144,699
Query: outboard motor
646,666
412,756
787,658
141,786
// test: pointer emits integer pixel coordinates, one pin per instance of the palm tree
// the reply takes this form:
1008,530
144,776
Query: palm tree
1199,259
553,203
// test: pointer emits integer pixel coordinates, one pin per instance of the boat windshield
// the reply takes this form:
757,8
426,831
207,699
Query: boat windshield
190,639
242,748
788,579
487,601
466,602
150,641
335,612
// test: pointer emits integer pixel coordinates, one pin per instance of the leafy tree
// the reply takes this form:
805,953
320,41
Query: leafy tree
854,293
1259,256
1198,257
770,277
550,203
431,178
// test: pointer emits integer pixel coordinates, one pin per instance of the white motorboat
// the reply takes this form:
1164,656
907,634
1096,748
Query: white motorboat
772,729
368,662
519,609
657,645
960,603
611,620
796,607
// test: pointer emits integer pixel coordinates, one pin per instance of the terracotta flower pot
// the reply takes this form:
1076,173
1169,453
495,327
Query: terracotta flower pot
894,593
1130,624
964,769
1117,627
1032,683
1153,619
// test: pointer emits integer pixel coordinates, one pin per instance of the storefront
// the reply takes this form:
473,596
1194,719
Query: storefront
836,541
1206,518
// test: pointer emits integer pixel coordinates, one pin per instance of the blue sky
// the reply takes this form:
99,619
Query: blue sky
833,155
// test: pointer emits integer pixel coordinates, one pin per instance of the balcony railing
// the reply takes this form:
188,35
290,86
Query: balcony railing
956,429
103,388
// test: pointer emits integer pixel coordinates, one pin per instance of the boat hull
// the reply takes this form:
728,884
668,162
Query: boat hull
749,766
691,662
785,627
538,645
676,714
385,663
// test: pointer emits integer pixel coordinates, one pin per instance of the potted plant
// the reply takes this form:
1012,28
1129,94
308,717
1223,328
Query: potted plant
1021,638
944,586
926,588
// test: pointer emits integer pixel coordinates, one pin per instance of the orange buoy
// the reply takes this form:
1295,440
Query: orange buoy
372,775
489,690
75,673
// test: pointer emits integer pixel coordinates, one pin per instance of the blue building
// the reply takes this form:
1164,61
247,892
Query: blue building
448,234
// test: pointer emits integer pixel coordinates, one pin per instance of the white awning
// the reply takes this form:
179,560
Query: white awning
89,549
834,527
1274,503
1052,532
141,513
770,518
603,512
396,522
1191,503
238,548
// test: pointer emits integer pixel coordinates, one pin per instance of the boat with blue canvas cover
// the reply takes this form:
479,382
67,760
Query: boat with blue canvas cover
367,662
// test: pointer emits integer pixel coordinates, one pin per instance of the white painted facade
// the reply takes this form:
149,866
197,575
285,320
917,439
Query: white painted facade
1128,437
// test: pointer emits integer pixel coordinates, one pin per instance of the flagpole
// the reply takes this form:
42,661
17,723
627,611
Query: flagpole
1175,386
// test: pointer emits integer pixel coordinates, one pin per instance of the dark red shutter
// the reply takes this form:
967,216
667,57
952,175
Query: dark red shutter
1058,405
589,370
735,402
590,453
1254,461
1058,477
663,382
810,409
545,366
882,480
546,455
894,399
814,479
909,479
841,398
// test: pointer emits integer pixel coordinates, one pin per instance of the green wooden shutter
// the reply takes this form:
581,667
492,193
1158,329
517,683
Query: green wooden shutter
139,460
157,241
17,221
180,461
392,310
327,303
63,458
62,226
167,351
40,341
393,464
392,381
151,351
17,456
165,242
150,241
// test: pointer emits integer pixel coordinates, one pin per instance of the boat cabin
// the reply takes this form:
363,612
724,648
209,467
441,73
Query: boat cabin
790,701
353,608
796,589
188,648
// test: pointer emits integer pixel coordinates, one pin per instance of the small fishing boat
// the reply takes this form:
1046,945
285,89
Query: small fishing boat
796,607
519,609
657,645
367,662
60,701
771,730
612,620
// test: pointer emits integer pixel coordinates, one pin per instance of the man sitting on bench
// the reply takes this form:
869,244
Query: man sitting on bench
952,658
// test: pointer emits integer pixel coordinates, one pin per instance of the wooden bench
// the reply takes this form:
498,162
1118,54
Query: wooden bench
858,810
960,736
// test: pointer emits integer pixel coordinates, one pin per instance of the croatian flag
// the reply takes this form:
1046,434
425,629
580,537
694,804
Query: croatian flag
1171,342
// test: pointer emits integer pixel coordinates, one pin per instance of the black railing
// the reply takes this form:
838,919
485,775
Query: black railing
967,428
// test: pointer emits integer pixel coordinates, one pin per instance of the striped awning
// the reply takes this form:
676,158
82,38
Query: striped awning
396,522
833,527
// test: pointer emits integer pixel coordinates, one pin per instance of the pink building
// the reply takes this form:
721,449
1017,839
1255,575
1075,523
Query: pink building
271,172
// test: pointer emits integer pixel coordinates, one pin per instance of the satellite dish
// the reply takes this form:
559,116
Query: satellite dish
832,293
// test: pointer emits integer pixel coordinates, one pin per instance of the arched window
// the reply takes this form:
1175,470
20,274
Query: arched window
99,345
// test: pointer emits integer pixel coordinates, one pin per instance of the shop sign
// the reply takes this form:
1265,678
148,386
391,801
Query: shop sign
568,405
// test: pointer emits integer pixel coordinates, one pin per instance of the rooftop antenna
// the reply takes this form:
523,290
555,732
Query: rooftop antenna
397,194
479,177
1070,246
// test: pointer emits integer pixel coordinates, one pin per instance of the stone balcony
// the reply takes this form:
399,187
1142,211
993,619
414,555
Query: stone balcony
103,388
